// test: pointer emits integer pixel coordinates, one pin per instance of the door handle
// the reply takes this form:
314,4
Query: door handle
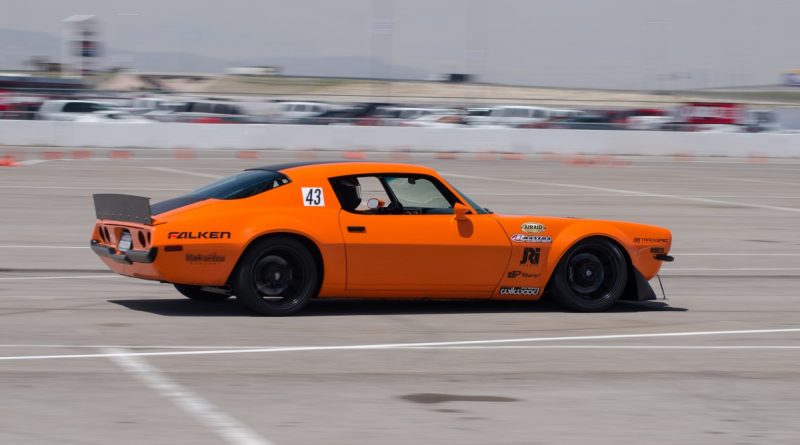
356,229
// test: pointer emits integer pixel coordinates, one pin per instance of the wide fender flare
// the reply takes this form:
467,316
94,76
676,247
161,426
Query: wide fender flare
325,241
579,231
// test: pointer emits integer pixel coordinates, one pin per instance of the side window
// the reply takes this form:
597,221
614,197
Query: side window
74,107
419,194
354,193
299,108
395,195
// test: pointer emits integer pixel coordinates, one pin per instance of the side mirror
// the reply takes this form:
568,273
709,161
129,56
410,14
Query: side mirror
460,212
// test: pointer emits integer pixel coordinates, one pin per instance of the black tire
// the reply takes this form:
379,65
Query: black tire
198,294
591,276
276,276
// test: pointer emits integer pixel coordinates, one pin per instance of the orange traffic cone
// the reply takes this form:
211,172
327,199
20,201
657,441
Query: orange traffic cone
8,161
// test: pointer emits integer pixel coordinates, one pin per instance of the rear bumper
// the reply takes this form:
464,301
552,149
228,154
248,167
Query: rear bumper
129,257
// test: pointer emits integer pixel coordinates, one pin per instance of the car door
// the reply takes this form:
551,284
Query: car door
413,242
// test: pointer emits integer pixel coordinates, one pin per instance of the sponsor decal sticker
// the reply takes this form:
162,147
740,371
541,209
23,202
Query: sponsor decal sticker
199,235
532,227
519,291
313,197
530,255
204,258
519,273
521,238
642,239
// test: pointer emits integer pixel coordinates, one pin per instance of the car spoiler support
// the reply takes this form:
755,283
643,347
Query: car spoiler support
118,207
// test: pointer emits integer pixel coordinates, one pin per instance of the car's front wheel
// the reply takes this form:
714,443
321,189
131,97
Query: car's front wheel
276,276
591,276
198,294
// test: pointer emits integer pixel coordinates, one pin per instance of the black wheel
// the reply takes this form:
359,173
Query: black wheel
591,276
198,294
276,276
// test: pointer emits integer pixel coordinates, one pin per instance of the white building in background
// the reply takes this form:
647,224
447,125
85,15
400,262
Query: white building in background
80,46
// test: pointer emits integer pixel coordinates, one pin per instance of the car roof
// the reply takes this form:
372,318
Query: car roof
344,168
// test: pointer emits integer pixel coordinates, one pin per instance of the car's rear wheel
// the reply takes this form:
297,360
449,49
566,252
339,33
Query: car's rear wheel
198,294
591,276
276,276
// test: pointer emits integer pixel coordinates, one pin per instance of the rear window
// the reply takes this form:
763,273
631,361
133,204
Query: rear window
242,185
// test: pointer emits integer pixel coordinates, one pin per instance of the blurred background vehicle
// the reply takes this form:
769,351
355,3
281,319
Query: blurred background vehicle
112,116
69,110
517,115
437,121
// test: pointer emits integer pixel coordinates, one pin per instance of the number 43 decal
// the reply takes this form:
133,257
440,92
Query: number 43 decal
313,197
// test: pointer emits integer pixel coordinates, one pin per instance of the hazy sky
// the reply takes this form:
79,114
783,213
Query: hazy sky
589,43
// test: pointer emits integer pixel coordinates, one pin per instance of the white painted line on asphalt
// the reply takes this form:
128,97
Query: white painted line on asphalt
33,161
629,192
66,346
42,247
758,181
655,347
221,423
75,277
185,172
399,345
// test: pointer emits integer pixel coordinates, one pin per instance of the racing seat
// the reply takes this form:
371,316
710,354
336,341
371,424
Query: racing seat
348,190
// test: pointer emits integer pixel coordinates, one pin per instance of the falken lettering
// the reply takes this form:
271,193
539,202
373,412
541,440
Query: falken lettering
199,235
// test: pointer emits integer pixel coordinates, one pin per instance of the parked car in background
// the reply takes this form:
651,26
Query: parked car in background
14,106
348,115
587,121
287,111
518,115
141,105
397,115
437,121
69,110
759,121
206,111
645,118
478,116
112,116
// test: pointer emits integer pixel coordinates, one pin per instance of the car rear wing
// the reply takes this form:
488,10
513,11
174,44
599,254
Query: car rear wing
128,208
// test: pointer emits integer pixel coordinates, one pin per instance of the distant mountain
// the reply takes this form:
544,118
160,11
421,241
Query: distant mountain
16,47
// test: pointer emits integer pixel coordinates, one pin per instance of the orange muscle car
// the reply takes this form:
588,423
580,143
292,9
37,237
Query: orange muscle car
280,235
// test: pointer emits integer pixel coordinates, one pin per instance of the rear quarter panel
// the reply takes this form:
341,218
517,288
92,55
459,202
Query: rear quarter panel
210,261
